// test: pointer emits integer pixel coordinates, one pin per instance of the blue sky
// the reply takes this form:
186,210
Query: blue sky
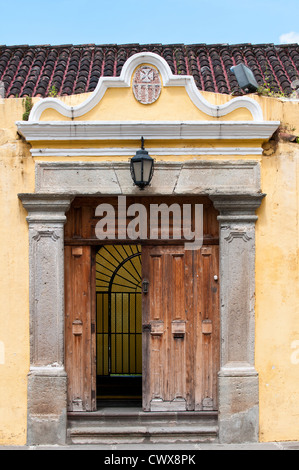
148,21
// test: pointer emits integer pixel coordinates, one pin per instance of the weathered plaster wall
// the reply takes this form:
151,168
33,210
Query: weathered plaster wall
277,280
277,297
16,174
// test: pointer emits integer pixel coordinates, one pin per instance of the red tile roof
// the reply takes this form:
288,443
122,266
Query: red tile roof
33,70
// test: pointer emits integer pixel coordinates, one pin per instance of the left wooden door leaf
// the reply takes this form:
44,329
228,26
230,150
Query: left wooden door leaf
80,357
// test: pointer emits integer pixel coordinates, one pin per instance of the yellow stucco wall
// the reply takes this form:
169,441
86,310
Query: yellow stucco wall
277,297
16,174
173,104
277,281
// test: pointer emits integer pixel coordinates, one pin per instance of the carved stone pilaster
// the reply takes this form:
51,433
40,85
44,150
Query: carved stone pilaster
238,378
47,381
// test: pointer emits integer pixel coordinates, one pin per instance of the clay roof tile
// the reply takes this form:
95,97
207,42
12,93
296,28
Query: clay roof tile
76,69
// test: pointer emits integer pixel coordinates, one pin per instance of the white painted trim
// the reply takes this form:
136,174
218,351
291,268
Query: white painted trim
124,81
133,130
130,152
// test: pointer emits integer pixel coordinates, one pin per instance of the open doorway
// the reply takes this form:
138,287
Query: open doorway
119,325
141,319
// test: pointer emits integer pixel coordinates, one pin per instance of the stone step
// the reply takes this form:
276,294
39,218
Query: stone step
112,426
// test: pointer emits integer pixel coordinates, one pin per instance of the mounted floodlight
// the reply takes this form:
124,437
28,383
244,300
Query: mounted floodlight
245,78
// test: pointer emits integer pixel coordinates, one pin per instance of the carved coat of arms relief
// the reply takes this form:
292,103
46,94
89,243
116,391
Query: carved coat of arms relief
146,85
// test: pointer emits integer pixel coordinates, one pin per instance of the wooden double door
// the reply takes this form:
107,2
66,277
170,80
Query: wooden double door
180,327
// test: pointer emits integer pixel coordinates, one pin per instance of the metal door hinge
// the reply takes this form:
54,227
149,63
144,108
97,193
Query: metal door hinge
147,327
145,285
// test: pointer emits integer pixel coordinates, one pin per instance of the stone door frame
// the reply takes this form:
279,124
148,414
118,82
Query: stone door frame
234,188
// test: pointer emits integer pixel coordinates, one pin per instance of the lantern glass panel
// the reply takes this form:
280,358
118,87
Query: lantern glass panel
137,168
147,168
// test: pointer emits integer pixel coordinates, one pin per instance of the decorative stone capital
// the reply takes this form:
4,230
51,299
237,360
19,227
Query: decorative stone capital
48,209
237,207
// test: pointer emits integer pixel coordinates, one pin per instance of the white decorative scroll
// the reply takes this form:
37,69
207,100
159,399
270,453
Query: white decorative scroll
124,81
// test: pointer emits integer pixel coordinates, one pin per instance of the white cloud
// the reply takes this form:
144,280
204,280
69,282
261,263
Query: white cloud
289,38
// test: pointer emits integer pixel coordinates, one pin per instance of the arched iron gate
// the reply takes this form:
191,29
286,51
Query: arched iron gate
119,321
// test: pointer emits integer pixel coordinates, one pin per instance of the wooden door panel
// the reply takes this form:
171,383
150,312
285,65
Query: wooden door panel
206,262
191,330
175,276
181,328
164,314
79,328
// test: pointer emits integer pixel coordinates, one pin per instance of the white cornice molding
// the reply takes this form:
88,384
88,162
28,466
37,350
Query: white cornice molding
158,152
133,130
124,81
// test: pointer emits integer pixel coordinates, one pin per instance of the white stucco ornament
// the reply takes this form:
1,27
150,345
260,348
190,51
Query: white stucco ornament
146,85
130,67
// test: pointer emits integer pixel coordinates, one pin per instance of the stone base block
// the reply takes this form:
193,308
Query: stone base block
47,405
238,409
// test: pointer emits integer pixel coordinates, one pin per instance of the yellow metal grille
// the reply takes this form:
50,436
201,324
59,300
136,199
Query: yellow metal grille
119,311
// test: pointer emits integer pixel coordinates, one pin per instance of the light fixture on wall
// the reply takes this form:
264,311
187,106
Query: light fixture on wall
142,167
245,78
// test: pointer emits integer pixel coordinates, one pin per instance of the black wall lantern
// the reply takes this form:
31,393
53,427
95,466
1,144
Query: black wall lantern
142,167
